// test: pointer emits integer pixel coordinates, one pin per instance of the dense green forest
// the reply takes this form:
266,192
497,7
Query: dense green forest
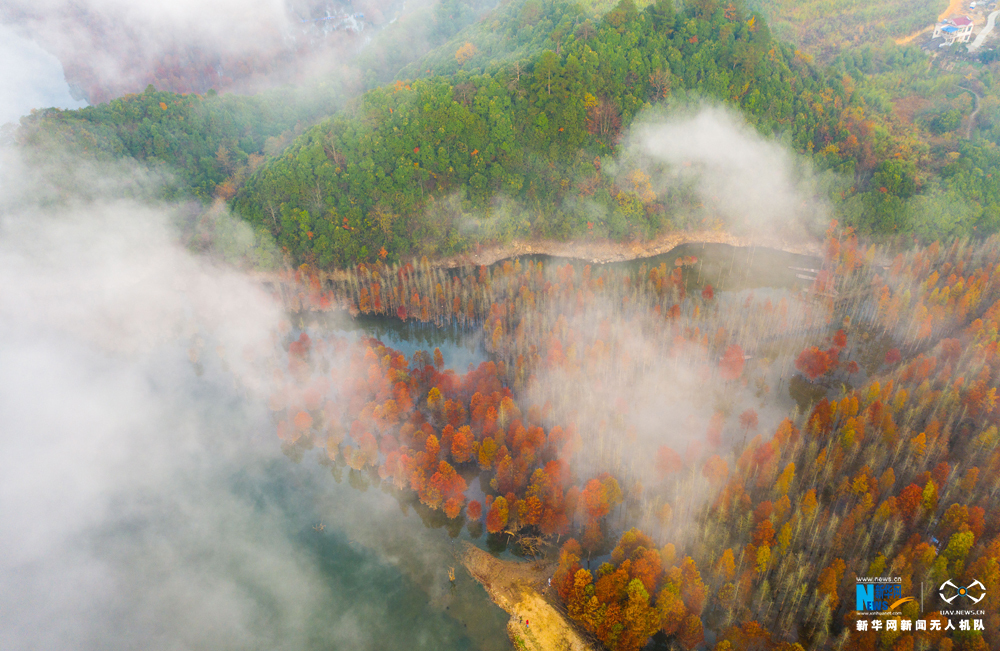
207,140
518,127
203,140
434,165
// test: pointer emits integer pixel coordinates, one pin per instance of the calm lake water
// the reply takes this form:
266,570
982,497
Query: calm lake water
386,571
383,569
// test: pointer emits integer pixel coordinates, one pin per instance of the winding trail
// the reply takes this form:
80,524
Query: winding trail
990,22
977,104
903,40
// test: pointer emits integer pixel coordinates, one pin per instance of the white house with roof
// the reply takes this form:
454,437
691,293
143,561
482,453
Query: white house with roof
957,29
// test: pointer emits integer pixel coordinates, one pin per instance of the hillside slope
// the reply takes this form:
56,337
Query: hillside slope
436,165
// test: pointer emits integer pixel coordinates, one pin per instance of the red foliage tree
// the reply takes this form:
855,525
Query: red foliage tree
748,419
595,500
569,563
908,501
715,470
496,519
474,510
731,365
303,421
691,633
813,362
461,445
668,461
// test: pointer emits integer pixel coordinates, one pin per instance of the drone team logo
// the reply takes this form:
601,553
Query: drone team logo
974,592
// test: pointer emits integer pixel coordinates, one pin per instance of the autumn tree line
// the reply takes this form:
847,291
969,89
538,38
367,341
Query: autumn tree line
894,477
426,429
890,472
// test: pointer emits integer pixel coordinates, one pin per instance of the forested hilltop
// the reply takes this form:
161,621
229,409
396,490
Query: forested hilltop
205,141
519,125
211,142
434,165
518,147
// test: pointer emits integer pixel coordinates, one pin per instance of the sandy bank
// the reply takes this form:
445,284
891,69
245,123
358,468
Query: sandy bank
535,625
592,251
602,251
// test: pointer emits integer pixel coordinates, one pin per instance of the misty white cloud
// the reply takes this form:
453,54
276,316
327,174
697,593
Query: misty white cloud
113,47
145,500
226,22
755,184
30,78
651,383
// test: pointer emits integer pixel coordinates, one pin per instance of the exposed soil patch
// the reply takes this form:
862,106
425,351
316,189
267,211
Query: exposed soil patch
911,37
601,251
954,7
517,586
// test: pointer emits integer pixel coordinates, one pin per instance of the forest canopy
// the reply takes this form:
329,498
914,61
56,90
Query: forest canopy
516,127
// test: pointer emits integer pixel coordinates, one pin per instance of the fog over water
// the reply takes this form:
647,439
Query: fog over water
146,502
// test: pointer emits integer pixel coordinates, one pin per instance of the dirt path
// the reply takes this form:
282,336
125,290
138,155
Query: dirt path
535,625
954,7
601,251
972,117
907,39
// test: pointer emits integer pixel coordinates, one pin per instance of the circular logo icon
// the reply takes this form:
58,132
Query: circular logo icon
974,592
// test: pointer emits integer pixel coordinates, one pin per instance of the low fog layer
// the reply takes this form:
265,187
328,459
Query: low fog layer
113,47
640,384
755,184
146,502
